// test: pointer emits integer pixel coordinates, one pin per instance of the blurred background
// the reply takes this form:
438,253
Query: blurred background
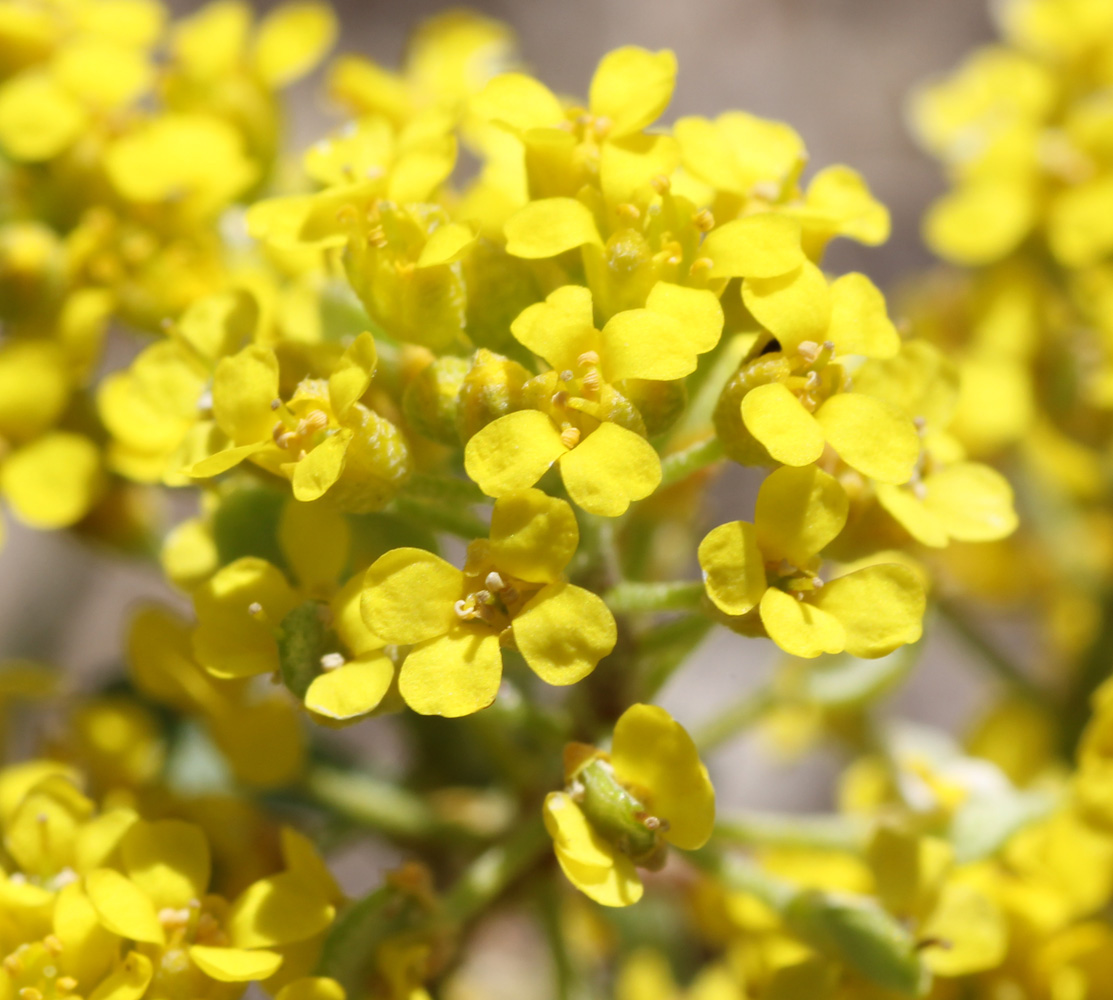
839,72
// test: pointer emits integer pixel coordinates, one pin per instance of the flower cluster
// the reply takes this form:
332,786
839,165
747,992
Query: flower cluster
451,391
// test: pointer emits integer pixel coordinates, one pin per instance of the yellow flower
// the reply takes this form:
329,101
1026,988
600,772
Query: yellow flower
512,591
604,464
623,808
566,148
259,733
323,440
772,565
157,897
251,620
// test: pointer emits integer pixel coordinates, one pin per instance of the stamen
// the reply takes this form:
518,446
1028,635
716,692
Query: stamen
494,582
570,436
332,661
704,221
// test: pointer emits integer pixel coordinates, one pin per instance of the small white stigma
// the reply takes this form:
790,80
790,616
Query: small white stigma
332,661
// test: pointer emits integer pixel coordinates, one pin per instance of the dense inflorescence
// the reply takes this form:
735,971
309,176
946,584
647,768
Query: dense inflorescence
452,393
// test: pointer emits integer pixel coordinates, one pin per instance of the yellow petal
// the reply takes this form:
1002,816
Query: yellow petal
90,947
778,420
563,632
974,928
348,622
455,674
631,88
533,535
611,885
446,245
52,482
313,988
652,751
100,838
839,203
123,907
353,689
315,541
663,340
757,246
628,165
224,459
316,474
235,965
859,321
549,227
410,596
292,39
912,514
234,638
353,374
794,307
103,72
38,118
277,910
592,865
128,981
559,329
168,860
303,859
871,436
980,223
519,101
609,469
879,607
798,513
244,386
799,628
262,741
513,452
733,567
973,502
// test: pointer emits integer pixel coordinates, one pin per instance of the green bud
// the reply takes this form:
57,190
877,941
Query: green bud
304,638
431,399
622,274
860,934
491,389
619,817
246,524
499,288
738,443
659,403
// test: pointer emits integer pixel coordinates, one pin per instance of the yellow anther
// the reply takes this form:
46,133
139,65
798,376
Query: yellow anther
53,944
30,993
661,184
588,358
703,220
570,437
628,212
700,264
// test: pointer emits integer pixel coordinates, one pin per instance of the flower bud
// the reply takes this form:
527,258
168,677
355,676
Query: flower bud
491,389
738,443
859,933
432,397
659,403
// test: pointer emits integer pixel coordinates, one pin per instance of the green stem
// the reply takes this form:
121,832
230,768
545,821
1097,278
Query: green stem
667,647
444,490
379,805
681,464
734,720
645,598
487,877
1093,669
826,832
990,654
743,875
563,966
452,521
